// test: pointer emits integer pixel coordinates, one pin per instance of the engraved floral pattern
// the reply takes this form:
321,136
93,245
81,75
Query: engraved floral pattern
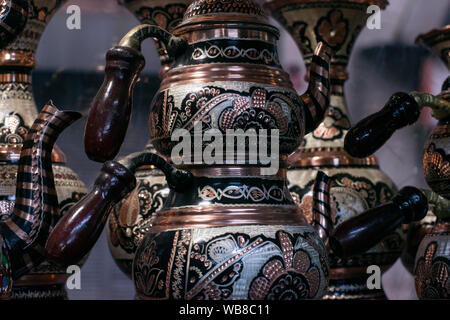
332,29
13,129
432,275
333,126
254,112
288,278
436,166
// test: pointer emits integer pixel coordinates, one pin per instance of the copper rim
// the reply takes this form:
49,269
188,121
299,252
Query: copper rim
203,33
228,19
220,216
41,279
194,15
17,58
272,5
327,156
207,73
232,171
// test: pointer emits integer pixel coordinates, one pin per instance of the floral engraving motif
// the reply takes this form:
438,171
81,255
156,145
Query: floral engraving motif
131,219
373,194
217,108
332,29
13,129
333,126
220,260
167,17
254,112
436,166
148,278
432,275
292,277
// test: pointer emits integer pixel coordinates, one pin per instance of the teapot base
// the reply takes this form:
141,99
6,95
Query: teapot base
256,262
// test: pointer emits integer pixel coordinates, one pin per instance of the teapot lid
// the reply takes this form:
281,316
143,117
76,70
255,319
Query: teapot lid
224,11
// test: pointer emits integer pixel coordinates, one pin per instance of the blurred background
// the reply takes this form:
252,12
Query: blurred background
70,70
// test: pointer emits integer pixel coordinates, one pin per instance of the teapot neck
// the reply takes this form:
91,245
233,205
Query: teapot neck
230,195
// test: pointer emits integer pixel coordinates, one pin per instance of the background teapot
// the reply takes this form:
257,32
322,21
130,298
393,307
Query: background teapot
25,229
432,259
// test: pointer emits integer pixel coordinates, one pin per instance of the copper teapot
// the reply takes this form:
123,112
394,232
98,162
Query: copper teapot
229,230
25,228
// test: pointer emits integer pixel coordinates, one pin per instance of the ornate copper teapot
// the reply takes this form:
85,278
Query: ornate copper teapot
25,228
17,113
226,231
238,230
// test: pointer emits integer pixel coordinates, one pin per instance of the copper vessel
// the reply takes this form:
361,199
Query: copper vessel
428,239
17,113
359,184
227,231
131,218
27,221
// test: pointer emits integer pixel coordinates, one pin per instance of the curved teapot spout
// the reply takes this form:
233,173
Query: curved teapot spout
317,96
322,221
26,229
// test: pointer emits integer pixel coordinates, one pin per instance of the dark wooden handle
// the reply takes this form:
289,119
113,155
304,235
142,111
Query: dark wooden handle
110,111
360,233
78,230
13,18
368,135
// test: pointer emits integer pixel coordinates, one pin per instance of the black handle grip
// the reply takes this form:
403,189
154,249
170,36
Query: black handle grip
360,233
110,111
368,135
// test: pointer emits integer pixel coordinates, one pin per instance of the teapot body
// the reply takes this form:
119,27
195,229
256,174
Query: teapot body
17,113
250,262
228,78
